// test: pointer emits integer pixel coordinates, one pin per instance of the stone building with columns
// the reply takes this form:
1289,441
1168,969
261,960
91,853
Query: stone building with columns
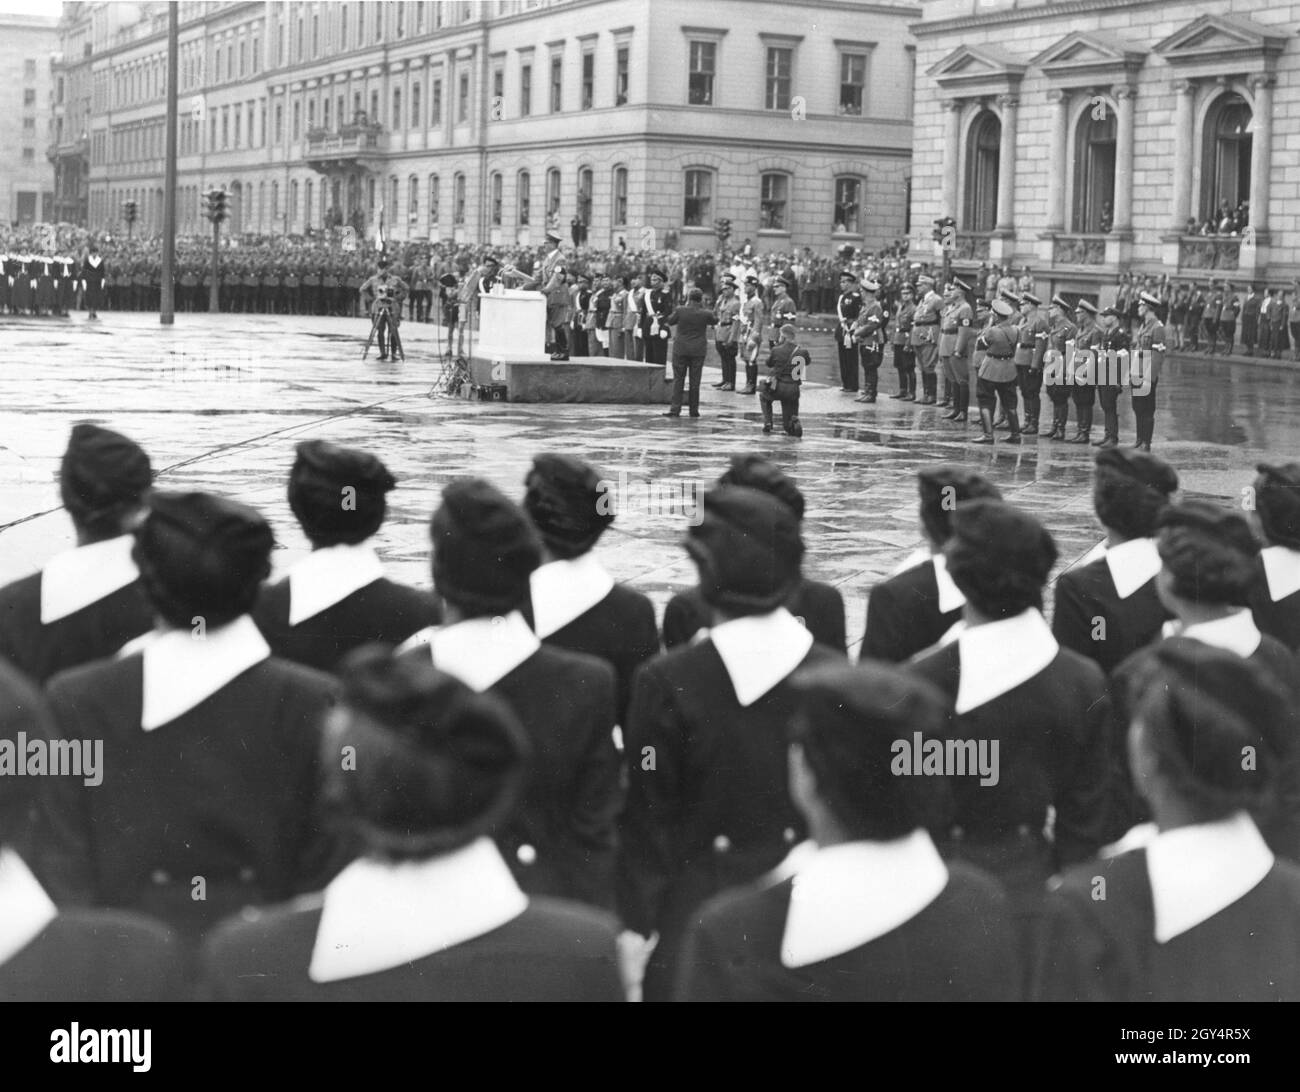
489,121
1090,138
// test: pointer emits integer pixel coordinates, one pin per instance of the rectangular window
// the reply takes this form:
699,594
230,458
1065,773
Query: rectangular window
29,96
699,198
315,35
297,121
29,155
459,196
779,63
238,128
462,97
853,82
848,204
525,198
29,69
496,200
704,56
621,77
225,126
343,27
257,55
775,192
400,29
435,103
588,80
525,90
243,56
620,196
557,84
498,87
29,125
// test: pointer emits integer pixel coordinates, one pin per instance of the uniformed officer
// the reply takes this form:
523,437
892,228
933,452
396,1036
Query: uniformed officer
1060,332
997,373
783,310
1228,312
847,308
955,338
1113,340
786,366
753,319
1031,344
1151,344
93,272
658,305
726,313
900,336
1213,305
382,297
925,337
579,343
869,334
1083,392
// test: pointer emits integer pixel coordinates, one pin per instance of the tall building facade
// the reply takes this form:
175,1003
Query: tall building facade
28,45
1088,138
648,120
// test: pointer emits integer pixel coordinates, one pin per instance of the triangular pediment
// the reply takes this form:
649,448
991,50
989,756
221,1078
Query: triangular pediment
969,65
1221,36
1094,52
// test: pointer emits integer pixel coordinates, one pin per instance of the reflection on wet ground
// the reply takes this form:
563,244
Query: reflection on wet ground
220,402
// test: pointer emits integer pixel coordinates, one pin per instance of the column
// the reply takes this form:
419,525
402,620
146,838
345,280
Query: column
1184,94
951,154
449,98
1009,105
1124,96
1060,101
1261,153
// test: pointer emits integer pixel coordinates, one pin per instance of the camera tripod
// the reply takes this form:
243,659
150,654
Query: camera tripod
455,376
383,315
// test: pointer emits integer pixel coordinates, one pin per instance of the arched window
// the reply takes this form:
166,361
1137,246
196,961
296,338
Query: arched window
848,206
413,199
697,209
620,197
983,147
553,197
1094,173
458,198
415,106
497,190
525,184
774,201
586,183
433,198
1225,159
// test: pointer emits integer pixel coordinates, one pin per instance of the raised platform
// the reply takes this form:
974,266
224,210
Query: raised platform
579,379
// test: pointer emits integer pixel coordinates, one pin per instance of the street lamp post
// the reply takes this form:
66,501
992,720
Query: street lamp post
217,210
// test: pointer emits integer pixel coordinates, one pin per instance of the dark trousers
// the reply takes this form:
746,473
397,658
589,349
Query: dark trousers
579,342
683,366
656,349
989,394
1144,413
848,363
871,360
787,393
727,354
1109,399
1030,382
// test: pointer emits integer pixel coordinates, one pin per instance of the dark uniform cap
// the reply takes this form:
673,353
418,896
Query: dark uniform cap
567,504
439,764
1210,552
729,278
1086,305
1009,297
846,274
383,263
1029,297
655,271
925,279
1150,300
1058,301
748,550
203,552
756,472
1277,500
754,281
319,482
1003,308
1131,489
484,548
1112,310
447,280
102,471
957,282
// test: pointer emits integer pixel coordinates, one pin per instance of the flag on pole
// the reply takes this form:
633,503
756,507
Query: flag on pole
380,245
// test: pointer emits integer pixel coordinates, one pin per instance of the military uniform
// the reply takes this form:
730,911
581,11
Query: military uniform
869,334
1031,344
1250,320
786,366
1151,341
1083,392
1060,332
996,381
726,315
752,319
847,308
93,273
1109,388
955,338
1227,328
925,339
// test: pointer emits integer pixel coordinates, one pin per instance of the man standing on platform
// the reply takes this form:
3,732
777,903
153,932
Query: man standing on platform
847,308
925,337
654,329
1031,344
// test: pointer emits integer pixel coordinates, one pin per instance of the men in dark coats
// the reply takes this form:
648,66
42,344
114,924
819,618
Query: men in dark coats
654,326
707,802
1108,609
847,309
1200,909
873,913
1060,332
86,603
70,955
560,840
430,912
208,801
914,608
338,598
1275,598
1040,710
1083,392
573,602
820,607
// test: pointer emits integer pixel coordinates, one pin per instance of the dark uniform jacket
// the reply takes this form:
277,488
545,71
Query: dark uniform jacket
94,631
904,615
958,948
1278,617
560,840
226,791
818,606
1093,619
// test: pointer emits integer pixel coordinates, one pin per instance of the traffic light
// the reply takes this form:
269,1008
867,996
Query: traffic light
130,211
216,205
945,230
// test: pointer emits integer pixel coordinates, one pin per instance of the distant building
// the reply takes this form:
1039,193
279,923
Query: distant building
28,44
1093,137
646,119
69,148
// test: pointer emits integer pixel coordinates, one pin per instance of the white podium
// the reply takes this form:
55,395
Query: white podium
512,323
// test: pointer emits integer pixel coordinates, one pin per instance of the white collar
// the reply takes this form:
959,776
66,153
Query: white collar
328,576
916,558
760,651
25,908
1197,871
950,596
564,590
1282,568
379,915
77,578
183,668
1133,565
94,260
998,656
479,651
1236,632
848,895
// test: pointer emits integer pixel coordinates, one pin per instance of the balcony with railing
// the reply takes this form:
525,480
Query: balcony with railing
1207,252
972,246
1080,249
351,146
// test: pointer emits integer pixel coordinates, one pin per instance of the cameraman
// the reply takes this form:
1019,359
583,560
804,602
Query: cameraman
382,296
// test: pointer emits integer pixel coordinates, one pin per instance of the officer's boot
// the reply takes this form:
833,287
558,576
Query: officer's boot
751,378
911,385
1014,420
928,384
902,386
945,392
1033,406
986,426
871,384
1083,433
766,405
963,402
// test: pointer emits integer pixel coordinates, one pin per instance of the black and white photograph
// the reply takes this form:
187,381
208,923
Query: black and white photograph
651,501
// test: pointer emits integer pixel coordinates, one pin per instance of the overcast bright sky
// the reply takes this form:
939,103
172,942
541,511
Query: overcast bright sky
52,8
